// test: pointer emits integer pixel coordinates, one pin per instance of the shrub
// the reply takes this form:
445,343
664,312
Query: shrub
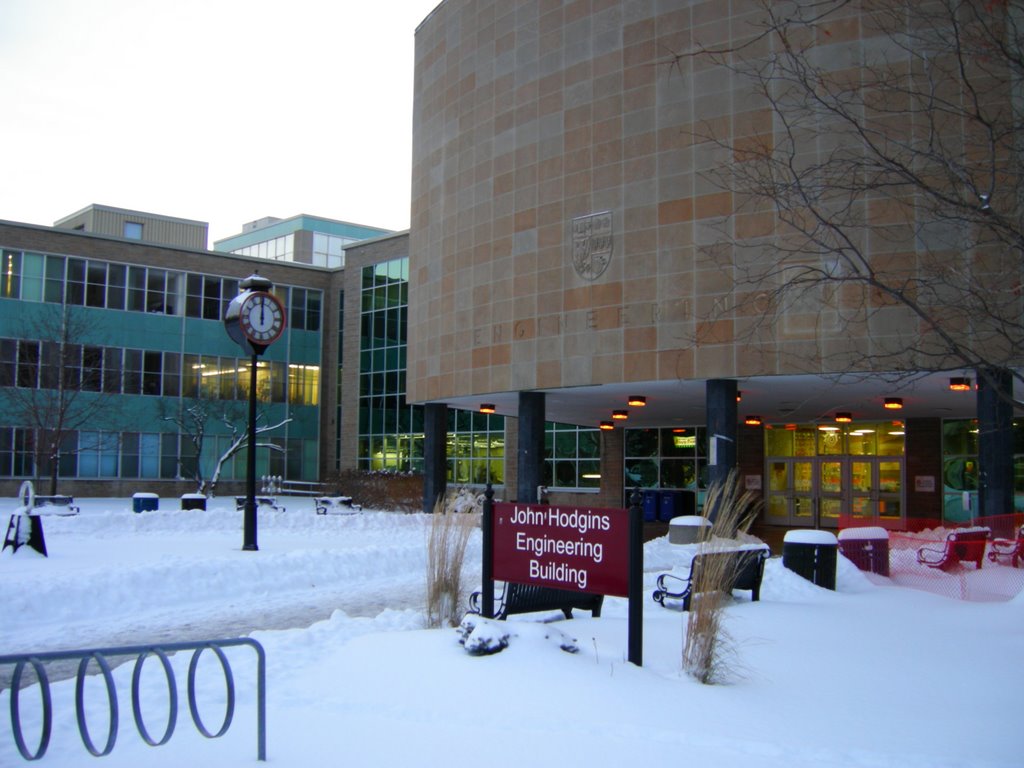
380,489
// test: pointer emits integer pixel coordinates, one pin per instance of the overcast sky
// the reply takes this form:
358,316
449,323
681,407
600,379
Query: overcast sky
223,111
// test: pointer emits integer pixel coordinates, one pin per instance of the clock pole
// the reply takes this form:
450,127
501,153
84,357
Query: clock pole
249,515
253,335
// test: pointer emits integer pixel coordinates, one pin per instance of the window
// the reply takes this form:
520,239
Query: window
156,284
137,289
10,278
92,368
8,361
670,457
172,374
116,277
96,284
390,431
476,448
74,289
304,309
152,372
132,371
303,384
112,370
133,230
53,285
97,454
17,449
211,298
572,456
28,364
140,454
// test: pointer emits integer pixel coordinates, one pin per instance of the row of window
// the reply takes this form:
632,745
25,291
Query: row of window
106,285
277,249
151,455
328,250
113,370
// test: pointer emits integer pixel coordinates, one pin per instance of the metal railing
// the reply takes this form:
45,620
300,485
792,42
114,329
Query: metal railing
141,652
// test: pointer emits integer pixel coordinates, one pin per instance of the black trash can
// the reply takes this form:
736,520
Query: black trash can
193,501
145,502
867,548
812,554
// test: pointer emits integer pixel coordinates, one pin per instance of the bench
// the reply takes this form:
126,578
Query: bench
262,502
1011,549
964,545
336,505
744,569
530,598
55,505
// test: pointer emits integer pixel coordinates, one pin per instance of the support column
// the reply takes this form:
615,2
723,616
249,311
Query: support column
435,454
720,395
995,442
531,445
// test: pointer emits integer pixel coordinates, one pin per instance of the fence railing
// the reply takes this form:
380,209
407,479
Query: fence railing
141,652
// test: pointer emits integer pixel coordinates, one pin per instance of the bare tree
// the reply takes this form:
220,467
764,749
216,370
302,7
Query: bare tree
59,386
877,184
192,420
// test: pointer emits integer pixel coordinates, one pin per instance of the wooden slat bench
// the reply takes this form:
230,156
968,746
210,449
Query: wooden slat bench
964,545
531,598
745,568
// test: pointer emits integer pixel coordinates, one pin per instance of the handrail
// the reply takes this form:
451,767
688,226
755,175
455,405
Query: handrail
38,660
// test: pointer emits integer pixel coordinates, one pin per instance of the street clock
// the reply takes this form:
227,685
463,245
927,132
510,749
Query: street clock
255,318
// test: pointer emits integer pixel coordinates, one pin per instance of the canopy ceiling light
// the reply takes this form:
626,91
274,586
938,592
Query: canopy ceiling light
894,403
752,421
960,384
607,425
739,395
621,415
638,400
844,417
486,407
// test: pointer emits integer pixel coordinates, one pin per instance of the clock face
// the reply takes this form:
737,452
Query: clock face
262,318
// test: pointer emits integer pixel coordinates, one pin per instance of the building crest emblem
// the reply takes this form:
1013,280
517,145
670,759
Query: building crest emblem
592,243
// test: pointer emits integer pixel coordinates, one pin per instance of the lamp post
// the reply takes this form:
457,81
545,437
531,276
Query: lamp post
254,320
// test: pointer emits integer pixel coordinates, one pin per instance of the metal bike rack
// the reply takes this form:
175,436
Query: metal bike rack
141,652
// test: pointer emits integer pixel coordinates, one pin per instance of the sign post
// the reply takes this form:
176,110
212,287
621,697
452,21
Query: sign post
581,549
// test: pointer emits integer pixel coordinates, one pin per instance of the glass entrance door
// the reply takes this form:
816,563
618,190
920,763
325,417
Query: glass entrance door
829,491
792,492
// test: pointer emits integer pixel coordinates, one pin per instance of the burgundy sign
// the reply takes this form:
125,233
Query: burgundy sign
579,549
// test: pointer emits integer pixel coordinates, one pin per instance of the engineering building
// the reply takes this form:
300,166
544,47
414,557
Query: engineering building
568,254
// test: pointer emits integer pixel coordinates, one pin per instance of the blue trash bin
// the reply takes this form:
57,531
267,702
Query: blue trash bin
145,502
667,507
651,500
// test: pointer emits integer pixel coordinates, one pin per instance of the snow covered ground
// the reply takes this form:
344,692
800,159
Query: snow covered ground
871,675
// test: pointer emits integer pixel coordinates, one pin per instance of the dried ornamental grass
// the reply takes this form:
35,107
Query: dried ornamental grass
446,553
709,654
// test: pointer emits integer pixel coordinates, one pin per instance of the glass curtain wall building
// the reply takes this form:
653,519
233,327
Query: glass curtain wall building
123,362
